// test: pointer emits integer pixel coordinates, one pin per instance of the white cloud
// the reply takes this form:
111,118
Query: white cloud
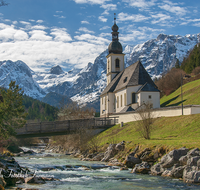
84,22
173,8
109,7
83,29
39,27
39,21
134,17
105,28
160,18
140,3
39,35
59,11
103,19
61,35
41,51
140,34
25,23
20,35
100,2
15,22
59,16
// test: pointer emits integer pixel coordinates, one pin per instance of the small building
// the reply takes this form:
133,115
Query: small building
127,88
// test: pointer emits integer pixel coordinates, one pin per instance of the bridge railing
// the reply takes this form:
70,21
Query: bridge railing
67,125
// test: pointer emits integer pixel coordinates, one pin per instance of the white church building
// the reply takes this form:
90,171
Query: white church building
127,88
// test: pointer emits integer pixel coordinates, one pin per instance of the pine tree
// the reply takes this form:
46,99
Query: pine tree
12,112
177,65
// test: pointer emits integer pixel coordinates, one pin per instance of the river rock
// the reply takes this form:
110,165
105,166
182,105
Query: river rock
177,172
120,146
36,180
157,169
193,161
110,152
173,157
98,157
2,182
167,173
143,168
191,174
131,161
29,152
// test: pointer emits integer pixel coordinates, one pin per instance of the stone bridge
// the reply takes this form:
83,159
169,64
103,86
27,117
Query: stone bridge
42,129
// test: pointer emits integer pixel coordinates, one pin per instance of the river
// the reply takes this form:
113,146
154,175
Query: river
74,174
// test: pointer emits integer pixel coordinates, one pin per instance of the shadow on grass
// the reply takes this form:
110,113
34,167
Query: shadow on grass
178,103
164,104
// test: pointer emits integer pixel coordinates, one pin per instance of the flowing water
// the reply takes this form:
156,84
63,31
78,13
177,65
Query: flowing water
74,174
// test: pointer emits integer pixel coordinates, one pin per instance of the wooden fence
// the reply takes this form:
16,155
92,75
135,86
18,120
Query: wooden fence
65,127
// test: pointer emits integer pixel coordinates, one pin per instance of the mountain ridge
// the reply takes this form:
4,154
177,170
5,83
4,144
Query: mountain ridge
85,85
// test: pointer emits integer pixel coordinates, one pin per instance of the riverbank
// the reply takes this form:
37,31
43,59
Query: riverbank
67,172
161,155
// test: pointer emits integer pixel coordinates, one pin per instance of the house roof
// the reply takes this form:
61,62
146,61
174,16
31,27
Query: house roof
133,75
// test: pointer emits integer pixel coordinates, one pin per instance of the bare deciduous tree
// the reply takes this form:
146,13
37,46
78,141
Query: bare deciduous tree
146,118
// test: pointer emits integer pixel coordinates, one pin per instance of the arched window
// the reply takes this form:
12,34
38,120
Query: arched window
117,63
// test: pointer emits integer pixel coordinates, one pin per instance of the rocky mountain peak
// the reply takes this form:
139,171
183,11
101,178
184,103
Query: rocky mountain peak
57,70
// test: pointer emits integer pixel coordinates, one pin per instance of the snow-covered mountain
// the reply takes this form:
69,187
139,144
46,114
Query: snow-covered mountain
85,85
18,71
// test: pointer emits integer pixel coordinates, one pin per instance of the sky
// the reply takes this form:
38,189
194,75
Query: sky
72,33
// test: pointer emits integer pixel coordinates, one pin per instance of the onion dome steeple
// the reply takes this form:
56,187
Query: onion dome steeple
115,46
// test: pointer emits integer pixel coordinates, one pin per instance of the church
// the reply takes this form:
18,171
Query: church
127,88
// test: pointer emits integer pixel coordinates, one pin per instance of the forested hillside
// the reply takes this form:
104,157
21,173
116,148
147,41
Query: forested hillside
192,61
39,111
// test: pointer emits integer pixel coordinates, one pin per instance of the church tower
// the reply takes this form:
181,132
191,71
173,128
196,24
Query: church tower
115,58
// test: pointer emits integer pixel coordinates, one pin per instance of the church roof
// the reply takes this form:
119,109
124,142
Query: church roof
112,85
133,75
127,109
148,87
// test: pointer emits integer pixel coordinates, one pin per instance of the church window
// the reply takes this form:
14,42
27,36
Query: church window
117,101
117,63
102,100
133,98
124,99
149,96
121,100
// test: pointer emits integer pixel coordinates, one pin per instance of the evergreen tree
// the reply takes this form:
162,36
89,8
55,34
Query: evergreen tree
177,65
12,112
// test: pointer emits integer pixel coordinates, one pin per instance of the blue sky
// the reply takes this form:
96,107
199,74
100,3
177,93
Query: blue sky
71,33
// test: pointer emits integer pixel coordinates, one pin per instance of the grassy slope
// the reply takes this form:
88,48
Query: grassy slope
174,132
191,92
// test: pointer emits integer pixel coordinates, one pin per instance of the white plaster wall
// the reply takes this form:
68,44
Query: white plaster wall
162,112
196,110
102,106
113,57
111,102
119,93
155,98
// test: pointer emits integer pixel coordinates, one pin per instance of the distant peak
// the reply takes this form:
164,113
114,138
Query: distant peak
57,70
